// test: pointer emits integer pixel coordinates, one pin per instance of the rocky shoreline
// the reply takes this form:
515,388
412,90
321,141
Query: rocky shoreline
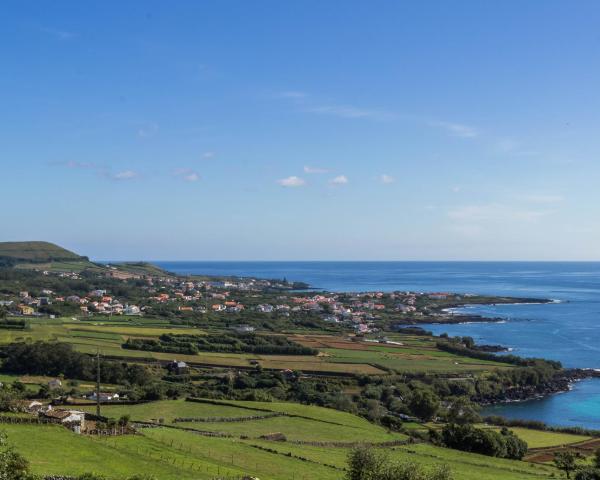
563,382
445,315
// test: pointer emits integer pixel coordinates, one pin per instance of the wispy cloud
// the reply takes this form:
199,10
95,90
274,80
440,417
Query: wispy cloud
456,129
208,155
309,104
58,33
513,147
291,182
540,198
386,179
339,180
308,169
99,170
75,164
147,130
124,175
494,212
350,112
293,94
187,174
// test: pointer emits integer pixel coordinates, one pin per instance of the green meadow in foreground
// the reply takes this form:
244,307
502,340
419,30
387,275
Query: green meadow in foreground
170,453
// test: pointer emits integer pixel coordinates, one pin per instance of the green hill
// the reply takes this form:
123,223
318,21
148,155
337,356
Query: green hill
36,252
49,256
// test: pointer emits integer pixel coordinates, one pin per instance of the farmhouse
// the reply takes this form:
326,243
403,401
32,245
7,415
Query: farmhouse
104,397
26,310
54,384
72,419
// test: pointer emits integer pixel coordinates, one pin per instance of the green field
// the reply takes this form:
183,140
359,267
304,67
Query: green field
173,454
36,252
338,355
543,439
301,423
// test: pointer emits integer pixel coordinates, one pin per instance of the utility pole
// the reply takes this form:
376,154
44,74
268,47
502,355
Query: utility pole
98,383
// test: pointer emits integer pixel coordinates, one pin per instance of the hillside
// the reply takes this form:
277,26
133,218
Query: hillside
36,252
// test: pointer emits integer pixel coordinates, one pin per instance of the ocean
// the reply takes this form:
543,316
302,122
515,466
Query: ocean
568,331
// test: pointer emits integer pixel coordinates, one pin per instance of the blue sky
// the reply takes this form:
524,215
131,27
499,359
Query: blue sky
302,130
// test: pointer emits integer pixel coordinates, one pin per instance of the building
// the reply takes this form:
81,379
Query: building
178,368
132,310
54,384
244,329
72,419
104,397
26,310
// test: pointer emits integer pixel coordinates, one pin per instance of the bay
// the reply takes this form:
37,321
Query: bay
568,331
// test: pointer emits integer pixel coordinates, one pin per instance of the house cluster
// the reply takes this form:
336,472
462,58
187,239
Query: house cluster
97,301
101,302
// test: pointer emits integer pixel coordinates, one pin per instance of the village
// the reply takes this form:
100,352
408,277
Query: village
186,297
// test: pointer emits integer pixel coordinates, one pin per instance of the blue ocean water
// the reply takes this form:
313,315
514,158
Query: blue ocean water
568,331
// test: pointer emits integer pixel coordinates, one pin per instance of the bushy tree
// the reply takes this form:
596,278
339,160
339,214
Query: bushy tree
365,463
462,411
424,403
566,461
587,473
486,442
13,466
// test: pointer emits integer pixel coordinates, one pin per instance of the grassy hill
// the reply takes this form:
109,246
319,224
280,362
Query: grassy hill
37,252
48,256
184,451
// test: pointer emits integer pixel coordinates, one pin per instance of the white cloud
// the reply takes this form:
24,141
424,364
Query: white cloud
349,111
339,180
124,175
308,169
466,230
457,129
540,198
293,94
494,212
386,179
292,181
208,155
147,130
512,147
60,34
187,174
76,164
456,189
192,177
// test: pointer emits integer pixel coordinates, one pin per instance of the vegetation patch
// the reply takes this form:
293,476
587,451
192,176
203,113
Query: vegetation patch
224,343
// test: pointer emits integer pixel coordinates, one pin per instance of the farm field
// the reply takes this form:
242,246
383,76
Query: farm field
465,466
301,423
542,439
171,454
338,354
412,353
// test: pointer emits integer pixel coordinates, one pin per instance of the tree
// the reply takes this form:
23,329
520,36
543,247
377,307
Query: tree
566,461
366,463
462,411
13,466
596,460
587,473
516,448
424,404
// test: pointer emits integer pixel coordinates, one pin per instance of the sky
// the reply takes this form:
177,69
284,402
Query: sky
302,130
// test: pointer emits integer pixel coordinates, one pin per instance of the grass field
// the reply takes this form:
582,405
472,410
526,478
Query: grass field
542,439
302,423
171,454
338,354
